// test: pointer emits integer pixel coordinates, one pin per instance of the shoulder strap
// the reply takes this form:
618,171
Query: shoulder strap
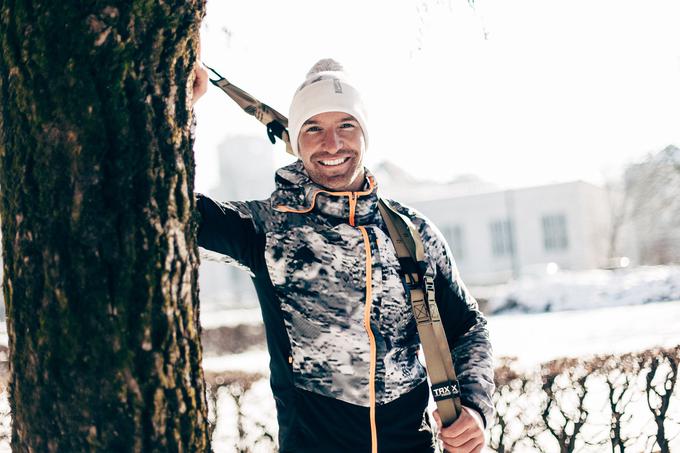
438,359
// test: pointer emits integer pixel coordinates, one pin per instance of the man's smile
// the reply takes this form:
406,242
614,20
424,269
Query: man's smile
334,162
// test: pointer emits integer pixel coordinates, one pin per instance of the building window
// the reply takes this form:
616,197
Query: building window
555,232
454,237
502,243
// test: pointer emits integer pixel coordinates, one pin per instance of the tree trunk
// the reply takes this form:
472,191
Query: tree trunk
98,237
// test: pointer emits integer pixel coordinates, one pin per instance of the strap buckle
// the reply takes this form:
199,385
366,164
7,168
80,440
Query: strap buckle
275,129
429,285
431,303
412,281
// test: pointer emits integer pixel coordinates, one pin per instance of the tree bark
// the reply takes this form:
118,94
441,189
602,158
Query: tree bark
98,233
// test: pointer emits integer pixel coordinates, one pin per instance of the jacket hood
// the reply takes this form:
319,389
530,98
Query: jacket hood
297,193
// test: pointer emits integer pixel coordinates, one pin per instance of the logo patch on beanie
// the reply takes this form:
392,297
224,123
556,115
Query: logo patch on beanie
338,86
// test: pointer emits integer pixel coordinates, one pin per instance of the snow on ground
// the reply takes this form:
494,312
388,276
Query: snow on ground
254,361
536,338
211,319
574,290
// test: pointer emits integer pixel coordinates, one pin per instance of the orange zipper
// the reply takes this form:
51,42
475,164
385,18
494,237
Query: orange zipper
369,293
371,337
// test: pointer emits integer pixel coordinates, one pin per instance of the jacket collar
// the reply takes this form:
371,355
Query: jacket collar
297,193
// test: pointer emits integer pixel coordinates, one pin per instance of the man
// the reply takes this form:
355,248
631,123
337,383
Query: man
340,331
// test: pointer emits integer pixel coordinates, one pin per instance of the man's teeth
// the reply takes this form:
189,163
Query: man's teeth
335,161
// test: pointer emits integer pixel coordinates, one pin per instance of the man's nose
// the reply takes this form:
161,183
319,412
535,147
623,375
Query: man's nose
332,141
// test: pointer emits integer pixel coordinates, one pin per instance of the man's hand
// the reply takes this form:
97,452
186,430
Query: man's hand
465,435
200,82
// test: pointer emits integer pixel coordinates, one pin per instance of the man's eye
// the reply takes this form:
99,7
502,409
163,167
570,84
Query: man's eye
347,125
313,129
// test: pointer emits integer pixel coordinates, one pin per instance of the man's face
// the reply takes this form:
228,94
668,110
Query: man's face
332,150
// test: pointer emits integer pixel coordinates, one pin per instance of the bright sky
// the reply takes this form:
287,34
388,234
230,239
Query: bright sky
519,93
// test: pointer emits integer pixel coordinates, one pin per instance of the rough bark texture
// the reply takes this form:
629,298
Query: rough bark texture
100,259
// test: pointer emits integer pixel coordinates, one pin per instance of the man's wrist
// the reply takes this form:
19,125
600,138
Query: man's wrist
476,415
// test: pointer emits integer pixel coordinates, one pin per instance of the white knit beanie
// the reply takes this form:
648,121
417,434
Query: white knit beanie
326,89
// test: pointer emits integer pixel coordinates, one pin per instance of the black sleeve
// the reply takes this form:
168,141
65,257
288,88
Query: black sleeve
228,228
468,339
457,308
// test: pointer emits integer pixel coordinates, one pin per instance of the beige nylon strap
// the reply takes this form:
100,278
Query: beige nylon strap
409,246
276,123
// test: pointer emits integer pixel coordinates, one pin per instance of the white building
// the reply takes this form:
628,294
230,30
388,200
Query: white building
502,234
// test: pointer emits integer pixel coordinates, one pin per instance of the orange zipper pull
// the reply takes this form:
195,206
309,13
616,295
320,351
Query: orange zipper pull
352,207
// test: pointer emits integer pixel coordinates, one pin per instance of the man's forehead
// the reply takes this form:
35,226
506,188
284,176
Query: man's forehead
316,119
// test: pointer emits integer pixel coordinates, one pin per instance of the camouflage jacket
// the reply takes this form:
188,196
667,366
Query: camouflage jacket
340,332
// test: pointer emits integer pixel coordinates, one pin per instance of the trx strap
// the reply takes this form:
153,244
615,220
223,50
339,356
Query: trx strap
438,360
275,122
411,255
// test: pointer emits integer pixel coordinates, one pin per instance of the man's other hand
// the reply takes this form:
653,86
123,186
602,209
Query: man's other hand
465,435
200,82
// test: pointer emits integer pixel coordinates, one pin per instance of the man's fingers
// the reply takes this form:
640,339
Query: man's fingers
460,439
201,74
471,446
451,432
464,423
200,82
465,435
437,418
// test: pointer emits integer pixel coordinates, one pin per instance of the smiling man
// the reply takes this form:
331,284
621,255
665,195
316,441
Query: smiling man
340,329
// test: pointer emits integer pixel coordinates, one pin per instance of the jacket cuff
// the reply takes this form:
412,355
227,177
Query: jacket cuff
476,411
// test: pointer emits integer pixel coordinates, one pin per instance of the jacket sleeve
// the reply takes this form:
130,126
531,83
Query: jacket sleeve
229,229
465,327
468,339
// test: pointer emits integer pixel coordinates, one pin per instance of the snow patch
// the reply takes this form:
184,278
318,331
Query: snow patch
574,290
